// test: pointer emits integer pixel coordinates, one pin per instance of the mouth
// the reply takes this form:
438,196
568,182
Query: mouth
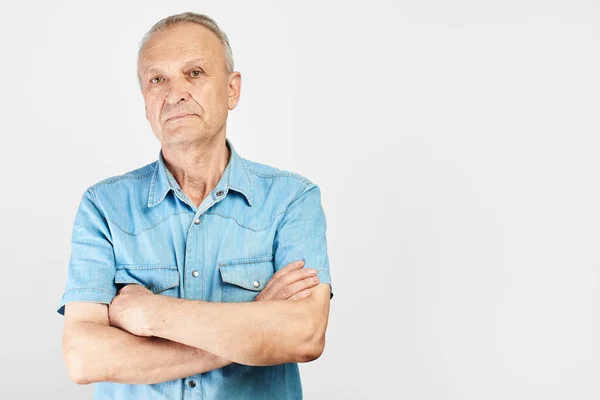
179,116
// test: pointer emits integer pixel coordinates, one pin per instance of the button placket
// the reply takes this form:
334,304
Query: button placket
193,283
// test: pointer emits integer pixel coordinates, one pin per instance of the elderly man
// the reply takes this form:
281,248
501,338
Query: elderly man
202,275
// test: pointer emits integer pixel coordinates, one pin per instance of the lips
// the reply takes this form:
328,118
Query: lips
179,116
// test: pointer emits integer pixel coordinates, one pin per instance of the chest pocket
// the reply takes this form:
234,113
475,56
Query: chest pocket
243,279
159,278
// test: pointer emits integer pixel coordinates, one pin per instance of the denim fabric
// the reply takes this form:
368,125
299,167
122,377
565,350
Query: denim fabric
141,228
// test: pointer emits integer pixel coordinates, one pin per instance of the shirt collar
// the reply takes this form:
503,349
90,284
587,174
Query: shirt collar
235,177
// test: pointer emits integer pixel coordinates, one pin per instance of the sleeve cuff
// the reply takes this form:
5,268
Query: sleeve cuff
86,295
325,277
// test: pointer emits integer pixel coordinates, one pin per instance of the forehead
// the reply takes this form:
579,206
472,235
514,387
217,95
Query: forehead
180,44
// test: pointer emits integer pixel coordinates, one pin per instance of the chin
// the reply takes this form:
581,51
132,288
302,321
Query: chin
182,136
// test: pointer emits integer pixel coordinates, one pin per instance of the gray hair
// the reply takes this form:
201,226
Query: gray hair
190,17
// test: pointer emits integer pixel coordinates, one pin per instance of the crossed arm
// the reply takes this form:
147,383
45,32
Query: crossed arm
176,338
258,333
147,338
94,351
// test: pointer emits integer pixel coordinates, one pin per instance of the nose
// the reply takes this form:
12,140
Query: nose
177,91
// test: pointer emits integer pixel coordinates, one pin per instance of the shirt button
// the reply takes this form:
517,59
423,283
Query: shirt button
192,384
220,193
195,273
197,221
256,284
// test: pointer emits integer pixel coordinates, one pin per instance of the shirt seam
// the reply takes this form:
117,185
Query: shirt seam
244,226
147,229
277,174
103,214
122,177
91,289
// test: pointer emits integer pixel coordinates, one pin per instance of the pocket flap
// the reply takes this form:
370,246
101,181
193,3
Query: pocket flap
156,278
252,273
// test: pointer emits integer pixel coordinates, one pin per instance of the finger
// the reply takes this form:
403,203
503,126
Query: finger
290,283
302,295
276,285
289,268
292,289
296,265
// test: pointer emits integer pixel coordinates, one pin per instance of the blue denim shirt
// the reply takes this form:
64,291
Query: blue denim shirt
141,228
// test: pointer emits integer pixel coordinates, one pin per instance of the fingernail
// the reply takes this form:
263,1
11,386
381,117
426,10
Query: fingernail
315,279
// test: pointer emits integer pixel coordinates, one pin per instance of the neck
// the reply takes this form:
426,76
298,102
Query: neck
197,168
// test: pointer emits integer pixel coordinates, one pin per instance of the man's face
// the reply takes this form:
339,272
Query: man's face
186,89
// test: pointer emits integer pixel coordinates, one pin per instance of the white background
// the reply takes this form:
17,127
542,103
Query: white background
455,144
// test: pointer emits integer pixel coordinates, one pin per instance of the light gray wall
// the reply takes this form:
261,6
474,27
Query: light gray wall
455,144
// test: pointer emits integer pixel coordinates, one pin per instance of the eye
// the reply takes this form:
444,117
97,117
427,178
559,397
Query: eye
156,79
195,73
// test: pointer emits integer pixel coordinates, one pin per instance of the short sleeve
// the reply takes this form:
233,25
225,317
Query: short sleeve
92,263
301,234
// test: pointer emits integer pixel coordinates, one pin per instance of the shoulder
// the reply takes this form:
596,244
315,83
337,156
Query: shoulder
129,177
130,185
268,179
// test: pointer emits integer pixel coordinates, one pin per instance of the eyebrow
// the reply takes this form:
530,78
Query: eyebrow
196,61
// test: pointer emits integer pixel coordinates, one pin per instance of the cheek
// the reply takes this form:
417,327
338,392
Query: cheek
215,103
152,110
210,98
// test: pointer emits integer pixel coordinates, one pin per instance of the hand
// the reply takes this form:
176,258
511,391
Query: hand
291,282
130,309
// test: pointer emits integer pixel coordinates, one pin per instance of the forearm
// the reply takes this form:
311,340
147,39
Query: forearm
257,333
102,353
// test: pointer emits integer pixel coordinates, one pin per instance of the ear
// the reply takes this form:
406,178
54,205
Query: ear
234,89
